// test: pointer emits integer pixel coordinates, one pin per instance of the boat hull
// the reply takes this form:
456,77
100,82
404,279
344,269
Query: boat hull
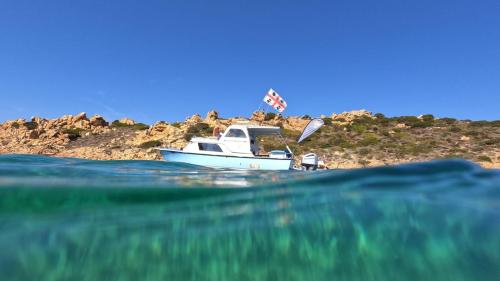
223,161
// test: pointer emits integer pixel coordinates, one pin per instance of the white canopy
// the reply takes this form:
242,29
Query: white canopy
263,130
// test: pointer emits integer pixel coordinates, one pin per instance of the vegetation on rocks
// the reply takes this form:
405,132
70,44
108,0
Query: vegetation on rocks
15,125
177,124
31,125
198,130
149,144
269,116
135,126
348,140
73,133
380,140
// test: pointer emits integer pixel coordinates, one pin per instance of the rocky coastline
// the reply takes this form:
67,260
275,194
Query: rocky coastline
349,140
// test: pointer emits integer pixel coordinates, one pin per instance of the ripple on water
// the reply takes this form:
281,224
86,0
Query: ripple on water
63,219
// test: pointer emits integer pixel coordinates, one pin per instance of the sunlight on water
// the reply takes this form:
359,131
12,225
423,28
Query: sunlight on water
71,219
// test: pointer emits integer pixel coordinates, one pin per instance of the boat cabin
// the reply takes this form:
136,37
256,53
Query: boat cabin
237,140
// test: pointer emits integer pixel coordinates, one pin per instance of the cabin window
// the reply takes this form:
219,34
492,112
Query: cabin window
209,147
236,133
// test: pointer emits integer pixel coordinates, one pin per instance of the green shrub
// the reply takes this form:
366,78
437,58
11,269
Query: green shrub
416,149
136,126
454,129
327,120
188,136
408,120
484,158
74,133
490,141
176,124
480,123
364,151
363,162
15,125
307,117
269,116
346,144
423,124
199,129
448,156
324,145
117,123
338,140
140,127
484,123
414,122
358,128
400,135
472,133
364,120
368,139
203,128
427,117
381,119
291,133
149,144
31,125
446,121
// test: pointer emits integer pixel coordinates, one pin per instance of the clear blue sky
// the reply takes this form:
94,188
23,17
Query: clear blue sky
165,60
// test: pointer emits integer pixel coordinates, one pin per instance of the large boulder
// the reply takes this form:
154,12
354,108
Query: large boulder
295,123
38,120
98,121
349,116
34,134
211,116
194,119
127,121
160,131
258,116
212,119
80,116
163,129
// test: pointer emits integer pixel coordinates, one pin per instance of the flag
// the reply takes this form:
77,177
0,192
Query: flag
276,101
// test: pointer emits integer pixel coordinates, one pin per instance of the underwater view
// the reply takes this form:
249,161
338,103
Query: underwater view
75,219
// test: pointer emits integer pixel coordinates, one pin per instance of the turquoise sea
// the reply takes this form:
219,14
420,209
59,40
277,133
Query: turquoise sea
74,219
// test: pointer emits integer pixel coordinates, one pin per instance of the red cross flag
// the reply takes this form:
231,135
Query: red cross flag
276,101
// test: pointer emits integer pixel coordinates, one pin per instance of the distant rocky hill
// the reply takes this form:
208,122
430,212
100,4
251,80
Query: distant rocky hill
350,139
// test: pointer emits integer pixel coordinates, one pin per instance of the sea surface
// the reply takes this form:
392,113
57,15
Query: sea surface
74,219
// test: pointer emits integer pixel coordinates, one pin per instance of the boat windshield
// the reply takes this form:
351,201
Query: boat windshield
236,133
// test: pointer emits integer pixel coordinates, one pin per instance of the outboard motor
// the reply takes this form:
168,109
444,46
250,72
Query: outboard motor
309,161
